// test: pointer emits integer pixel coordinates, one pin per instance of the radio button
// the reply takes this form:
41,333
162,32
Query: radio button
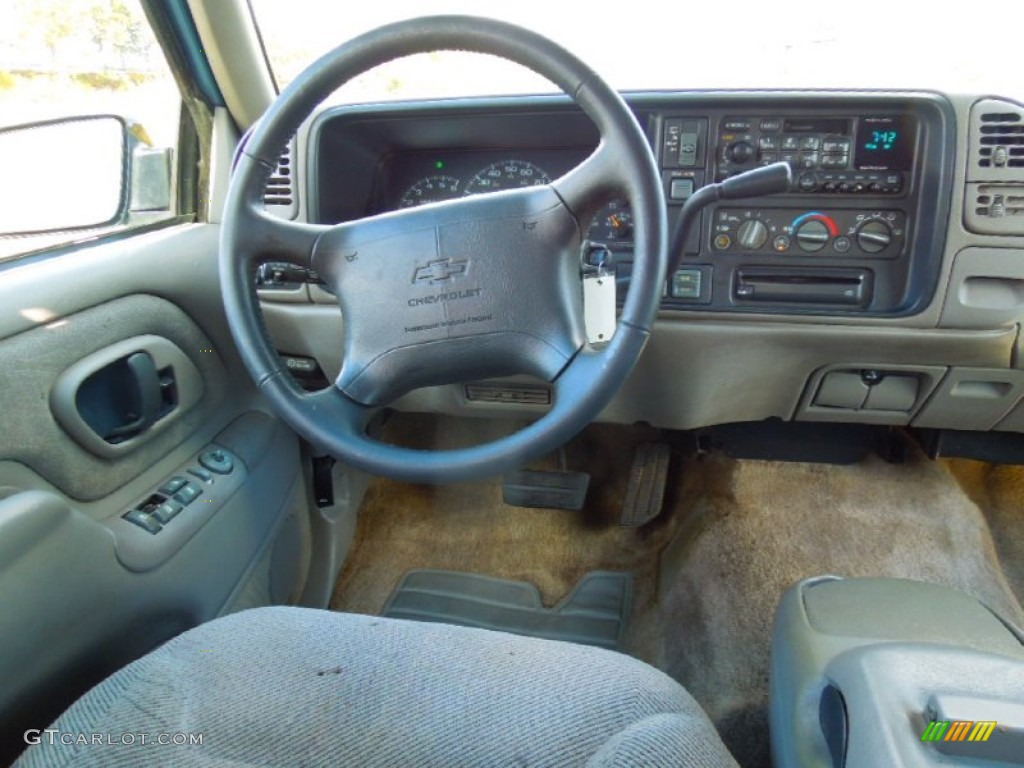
768,143
810,142
771,125
834,161
790,143
736,124
809,159
740,152
807,182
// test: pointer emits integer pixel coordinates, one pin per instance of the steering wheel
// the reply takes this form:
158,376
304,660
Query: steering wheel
467,289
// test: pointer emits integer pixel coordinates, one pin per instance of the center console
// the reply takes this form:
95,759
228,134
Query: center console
870,672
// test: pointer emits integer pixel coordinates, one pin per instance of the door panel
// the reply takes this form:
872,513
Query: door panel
33,435
84,590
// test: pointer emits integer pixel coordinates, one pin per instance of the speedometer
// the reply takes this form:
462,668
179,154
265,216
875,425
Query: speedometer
431,189
507,174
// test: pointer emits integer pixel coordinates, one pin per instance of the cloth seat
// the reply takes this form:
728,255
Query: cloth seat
295,686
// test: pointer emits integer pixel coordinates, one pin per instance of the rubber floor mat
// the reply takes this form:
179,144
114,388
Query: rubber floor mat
595,612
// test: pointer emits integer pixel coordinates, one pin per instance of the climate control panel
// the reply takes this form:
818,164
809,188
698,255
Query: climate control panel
831,233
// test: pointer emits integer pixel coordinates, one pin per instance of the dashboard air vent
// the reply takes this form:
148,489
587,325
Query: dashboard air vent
994,200
998,209
279,194
1002,140
512,394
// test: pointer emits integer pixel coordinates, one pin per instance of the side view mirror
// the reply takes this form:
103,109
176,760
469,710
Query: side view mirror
78,173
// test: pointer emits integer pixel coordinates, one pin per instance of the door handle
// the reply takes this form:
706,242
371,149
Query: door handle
143,372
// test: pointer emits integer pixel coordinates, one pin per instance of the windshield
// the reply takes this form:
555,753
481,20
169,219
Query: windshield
644,44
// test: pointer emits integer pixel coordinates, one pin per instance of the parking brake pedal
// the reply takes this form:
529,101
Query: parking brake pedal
646,490
545,490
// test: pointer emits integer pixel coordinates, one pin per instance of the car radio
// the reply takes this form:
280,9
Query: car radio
866,154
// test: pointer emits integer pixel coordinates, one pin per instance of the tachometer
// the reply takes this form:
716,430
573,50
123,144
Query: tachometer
507,174
431,189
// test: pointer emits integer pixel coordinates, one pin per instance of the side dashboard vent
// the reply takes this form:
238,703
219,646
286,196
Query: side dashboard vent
279,195
998,209
1001,143
994,200
509,394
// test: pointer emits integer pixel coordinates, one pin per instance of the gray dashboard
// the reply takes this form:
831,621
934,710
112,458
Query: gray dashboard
747,332
861,232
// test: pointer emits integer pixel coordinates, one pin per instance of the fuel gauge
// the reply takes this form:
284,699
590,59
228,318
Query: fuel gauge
614,224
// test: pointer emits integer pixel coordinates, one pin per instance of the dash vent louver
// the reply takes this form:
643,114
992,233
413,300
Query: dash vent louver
994,203
279,194
279,186
1001,143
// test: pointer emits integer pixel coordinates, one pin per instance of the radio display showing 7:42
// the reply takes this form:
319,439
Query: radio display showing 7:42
885,143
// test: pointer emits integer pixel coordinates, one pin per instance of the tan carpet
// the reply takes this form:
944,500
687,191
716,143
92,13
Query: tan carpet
761,526
466,527
710,572
999,491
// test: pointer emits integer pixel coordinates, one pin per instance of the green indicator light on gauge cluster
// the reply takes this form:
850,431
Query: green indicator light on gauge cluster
439,164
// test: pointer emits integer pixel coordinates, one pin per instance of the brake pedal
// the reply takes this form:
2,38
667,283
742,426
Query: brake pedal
645,493
545,490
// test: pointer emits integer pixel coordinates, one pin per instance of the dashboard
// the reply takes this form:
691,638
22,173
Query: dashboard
886,286
860,233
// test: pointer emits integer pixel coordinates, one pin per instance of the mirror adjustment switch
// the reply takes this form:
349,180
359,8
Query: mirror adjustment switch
143,519
217,460
167,511
188,493
173,485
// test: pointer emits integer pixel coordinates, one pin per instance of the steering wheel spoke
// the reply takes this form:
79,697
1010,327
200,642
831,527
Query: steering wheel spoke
588,186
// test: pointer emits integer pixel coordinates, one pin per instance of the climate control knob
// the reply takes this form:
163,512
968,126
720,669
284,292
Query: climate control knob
752,234
811,236
874,236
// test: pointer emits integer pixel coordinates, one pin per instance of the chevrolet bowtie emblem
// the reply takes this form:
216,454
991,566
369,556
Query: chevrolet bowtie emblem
439,271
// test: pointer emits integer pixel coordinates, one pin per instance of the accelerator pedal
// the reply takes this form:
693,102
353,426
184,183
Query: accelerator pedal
646,490
545,490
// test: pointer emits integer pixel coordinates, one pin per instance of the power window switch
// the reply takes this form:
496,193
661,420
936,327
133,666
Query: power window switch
202,474
188,493
167,511
173,485
144,520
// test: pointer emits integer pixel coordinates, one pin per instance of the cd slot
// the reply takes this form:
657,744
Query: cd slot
758,285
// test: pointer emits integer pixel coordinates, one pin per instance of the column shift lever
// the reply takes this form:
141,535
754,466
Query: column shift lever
777,177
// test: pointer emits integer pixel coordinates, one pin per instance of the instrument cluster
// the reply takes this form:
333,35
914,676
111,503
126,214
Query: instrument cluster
415,179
